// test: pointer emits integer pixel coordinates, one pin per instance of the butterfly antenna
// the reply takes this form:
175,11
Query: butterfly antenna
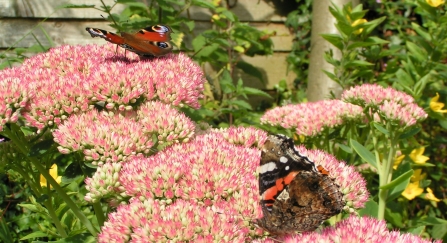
159,14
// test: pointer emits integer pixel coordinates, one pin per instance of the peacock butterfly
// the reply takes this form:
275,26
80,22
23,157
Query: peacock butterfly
150,41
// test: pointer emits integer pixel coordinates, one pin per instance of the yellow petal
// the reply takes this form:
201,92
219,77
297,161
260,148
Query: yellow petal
437,106
435,3
430,196
413,190
43,181
53,173
417,175
398,160
357,22
417,156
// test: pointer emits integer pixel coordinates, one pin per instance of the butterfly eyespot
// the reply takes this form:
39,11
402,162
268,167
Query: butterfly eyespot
163,45
160,28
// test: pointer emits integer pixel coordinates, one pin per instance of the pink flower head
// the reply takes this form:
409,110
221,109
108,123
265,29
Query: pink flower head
402,116
71,59
206,169
55,99
170,125
14,95
386,104
178,81
104,183
311,119
351,182
355,229
150,221
118,86
374,95
103,137
246,136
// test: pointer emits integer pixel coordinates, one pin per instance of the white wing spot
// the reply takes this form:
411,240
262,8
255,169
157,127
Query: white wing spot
287,168
283,159
267,167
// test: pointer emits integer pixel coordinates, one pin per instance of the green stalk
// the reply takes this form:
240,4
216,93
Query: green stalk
11,134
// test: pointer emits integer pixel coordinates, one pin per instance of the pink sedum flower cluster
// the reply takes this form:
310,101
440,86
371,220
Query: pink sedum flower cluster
355,229
374,95
247,137
351,182
386,104
103,137
168,123
205,190
311,119
104,183
50,87
206,169
184,221
13,96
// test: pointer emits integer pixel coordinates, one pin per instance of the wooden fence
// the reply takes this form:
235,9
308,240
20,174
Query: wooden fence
67,26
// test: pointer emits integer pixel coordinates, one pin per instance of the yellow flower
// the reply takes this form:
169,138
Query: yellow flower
417,157
437,106
357,22
430,196
435,3
53,173
398,160
417,175
413,190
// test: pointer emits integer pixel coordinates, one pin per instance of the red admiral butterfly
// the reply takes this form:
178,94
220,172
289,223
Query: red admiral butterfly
295,195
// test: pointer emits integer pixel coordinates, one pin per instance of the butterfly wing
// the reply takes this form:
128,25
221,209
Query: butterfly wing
106,35
145,47
159,33
150,41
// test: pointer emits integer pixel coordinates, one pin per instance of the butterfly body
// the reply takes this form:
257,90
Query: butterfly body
150,41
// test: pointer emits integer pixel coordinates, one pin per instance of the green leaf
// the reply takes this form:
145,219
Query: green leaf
203,4
371,25
254,91
417,230
250,70
207,50
420,85
41,147
345,148
364,153
371,209
439,231
381,129
410,133
240,104
396,191
432,221
358,63
403,179
190,24
30,207
404,78
370,41
226,82
421,31
416,52
229,15
334,39
36,234
331,75
198,42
